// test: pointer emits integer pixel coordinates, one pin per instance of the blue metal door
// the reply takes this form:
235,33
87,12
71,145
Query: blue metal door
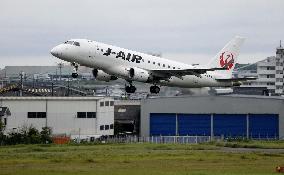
230,125
162,124
194,124
264,126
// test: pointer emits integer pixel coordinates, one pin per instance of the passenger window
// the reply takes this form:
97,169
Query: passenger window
153,62
169,66
174,68
148,61
164,65
158,64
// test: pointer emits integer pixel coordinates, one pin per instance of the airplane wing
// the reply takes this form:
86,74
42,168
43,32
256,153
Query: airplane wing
237,79
166,73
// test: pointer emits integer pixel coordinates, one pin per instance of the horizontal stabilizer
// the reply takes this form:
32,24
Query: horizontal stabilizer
237,79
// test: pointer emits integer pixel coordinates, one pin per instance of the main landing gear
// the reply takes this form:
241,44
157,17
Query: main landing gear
154,89
130,88
75,74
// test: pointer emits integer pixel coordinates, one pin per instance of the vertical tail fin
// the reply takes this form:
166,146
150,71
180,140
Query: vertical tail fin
227,57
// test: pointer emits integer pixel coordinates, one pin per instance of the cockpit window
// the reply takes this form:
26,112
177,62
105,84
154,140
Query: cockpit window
76,43
72,43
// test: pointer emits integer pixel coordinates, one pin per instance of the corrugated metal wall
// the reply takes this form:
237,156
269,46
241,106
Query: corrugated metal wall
163,124
230,125
263,125
194,124
227,125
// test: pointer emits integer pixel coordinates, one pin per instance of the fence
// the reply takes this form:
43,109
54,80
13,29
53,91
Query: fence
158,139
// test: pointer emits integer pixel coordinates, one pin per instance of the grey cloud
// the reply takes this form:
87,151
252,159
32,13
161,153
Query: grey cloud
32,27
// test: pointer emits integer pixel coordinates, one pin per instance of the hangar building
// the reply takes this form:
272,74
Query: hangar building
81,117
256,117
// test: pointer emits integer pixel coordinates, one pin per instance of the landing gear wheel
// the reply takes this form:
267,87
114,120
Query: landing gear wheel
75,65
130,89
74,75
154,89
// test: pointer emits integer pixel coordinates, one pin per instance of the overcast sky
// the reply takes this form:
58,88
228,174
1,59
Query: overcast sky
184,30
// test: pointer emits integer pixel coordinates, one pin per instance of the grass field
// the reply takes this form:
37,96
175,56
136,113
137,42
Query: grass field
137,159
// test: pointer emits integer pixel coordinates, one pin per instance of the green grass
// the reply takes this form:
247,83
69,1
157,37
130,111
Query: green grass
134,159
253,144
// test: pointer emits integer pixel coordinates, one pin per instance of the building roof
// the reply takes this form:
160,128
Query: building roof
224,96
54,98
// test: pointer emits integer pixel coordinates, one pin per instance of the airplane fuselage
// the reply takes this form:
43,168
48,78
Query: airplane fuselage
115,61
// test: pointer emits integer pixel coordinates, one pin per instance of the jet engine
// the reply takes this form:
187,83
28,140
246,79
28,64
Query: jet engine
102,76
138,74
133,74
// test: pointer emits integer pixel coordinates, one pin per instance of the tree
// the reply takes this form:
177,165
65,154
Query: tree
2,136
45,135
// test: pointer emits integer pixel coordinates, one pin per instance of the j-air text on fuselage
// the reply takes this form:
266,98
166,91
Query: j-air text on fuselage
111,62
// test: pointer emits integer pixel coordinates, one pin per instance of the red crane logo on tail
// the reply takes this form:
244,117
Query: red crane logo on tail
227,60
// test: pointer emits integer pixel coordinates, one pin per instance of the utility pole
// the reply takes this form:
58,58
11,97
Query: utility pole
60,66
52,85
21,83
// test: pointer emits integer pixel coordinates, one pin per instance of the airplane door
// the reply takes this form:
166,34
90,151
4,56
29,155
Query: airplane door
195,80
93,51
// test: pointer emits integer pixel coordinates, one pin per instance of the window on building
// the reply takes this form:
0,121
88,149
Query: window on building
164,65
41,114
153,62
102,127
31,114
111,103
36,114
270,68
81,114
169,66
107,103
270,76
148,61
111,126
106,127
102,103
91,114
159,64
5,121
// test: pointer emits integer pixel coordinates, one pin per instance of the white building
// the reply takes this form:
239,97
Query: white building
270,73
72,116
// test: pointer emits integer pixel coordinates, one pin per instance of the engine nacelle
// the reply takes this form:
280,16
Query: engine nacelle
138,74
134,74
102,76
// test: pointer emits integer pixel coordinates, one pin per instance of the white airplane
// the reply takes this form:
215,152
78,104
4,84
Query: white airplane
111,62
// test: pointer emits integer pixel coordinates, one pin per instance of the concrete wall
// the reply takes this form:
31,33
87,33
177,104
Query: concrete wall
212,104
61,114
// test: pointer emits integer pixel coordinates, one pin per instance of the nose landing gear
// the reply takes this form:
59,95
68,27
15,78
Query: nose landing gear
154,89
75,74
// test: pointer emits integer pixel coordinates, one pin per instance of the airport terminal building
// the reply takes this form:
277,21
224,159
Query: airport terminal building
78,117
256,117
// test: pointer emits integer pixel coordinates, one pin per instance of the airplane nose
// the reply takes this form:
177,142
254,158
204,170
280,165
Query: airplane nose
55,51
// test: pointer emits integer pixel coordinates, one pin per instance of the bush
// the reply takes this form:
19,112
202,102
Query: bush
27,135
